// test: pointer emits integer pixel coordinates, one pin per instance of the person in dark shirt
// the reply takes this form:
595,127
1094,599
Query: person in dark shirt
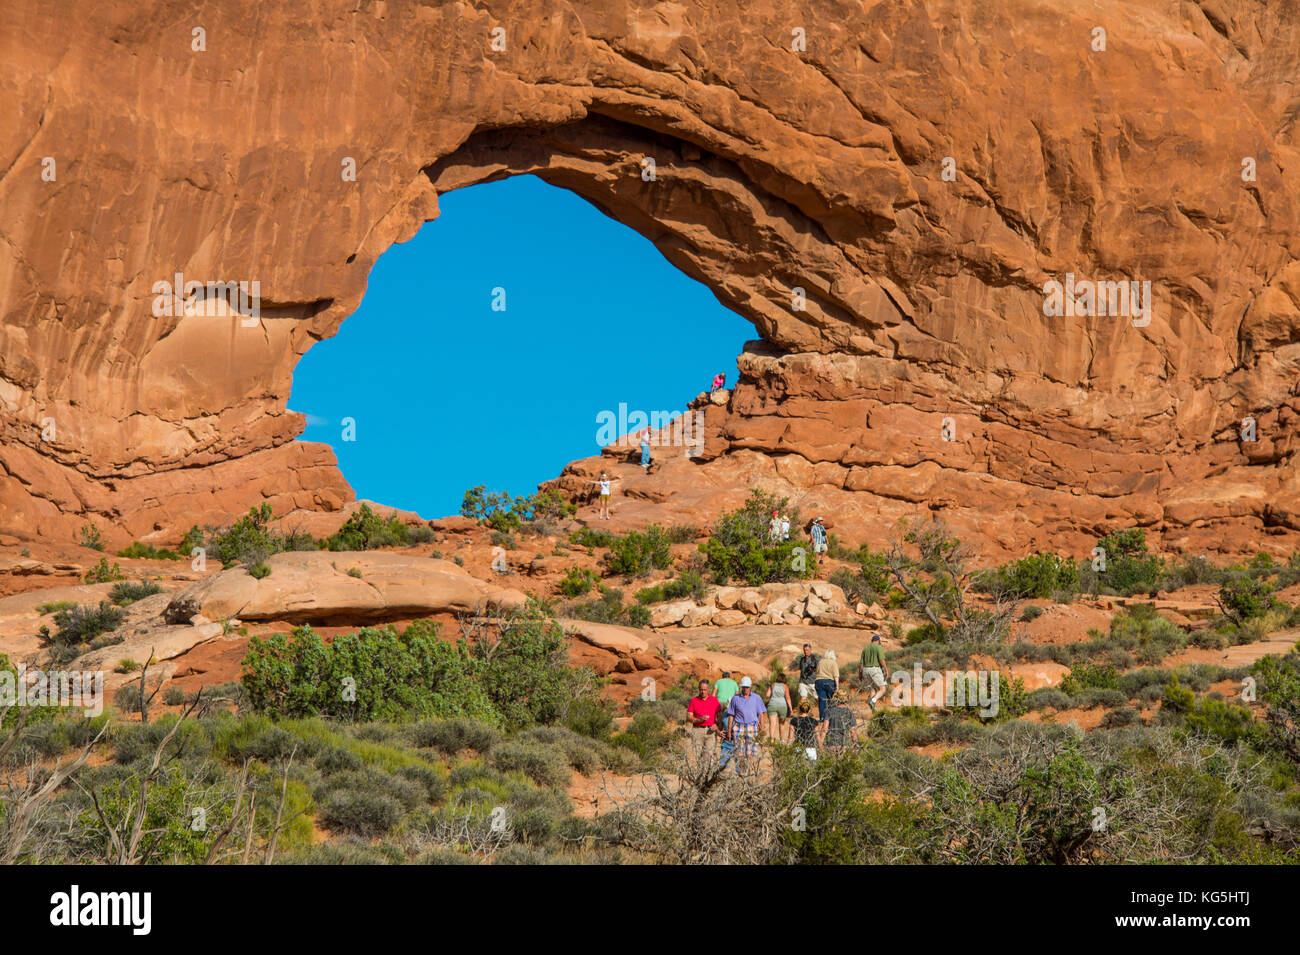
807,672
804,730
840,725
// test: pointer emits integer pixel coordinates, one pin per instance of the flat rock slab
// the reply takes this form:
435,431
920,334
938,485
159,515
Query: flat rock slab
318,586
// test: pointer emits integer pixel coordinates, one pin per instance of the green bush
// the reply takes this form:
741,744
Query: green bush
82,628
128,593
545,765
688,583
577,581
366,530
499,511
452,736
138,551
591,539
1082,676
1130,567
1039,576
739,546
90,536
103,573
1246,597
637,553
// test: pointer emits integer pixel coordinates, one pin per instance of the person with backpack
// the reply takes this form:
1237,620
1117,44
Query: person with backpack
873,671
804,730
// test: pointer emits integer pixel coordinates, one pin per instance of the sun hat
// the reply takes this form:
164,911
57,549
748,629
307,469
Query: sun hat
746,681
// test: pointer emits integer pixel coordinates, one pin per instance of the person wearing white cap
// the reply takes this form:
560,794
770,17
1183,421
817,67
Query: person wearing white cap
818,532
745,711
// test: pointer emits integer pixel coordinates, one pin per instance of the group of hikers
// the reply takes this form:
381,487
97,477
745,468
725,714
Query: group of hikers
727,718
778,530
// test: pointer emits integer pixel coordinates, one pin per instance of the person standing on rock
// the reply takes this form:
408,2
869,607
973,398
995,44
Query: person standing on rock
719,380
828,681
873,671
808,673
604,483
702,711
745,712
778,707
818,532
645,450
785,527
724,690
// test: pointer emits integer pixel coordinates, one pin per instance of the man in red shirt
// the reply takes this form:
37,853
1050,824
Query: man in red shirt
702,711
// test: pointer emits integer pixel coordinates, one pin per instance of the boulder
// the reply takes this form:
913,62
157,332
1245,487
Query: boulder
543,566
724,598
456,524
317,586
666,615
728,618
621,640
697,616
751,602
814,606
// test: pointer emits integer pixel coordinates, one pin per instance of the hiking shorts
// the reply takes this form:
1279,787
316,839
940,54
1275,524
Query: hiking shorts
874,677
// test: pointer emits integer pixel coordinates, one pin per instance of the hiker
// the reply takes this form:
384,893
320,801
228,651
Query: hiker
719,380
785,527
744,713
645,449
803,729
604,483
808,672
778,707
724,690
818,532
873,671
828,681
840,727
774,528
702,710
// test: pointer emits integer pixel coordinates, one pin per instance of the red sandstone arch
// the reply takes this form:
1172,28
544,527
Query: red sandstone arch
775,168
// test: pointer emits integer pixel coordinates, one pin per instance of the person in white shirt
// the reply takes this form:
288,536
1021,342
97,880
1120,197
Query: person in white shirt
604,483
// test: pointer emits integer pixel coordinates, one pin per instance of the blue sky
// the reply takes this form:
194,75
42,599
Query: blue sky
447,393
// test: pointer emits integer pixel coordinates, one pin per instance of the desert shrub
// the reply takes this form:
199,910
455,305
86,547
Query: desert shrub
592,717
577,581
637,553
128,593
637,616
1083,676
740,548
103,572
500,511
55,606
1121,716
646,736
591,539
682,533
1244,598
452,736
138,551
545,765
1206,716
1038,576
174,696
373,674
366,530
583,753
89,536
81,628
1190,570
1048,696
1094,696
1278,681
608,608
1031,612
366,813
1130,568
688,583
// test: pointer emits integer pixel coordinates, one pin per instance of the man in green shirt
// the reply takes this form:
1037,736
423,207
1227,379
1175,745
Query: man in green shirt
873,672
724,690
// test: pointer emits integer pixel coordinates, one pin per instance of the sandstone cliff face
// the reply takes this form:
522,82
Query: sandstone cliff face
775,170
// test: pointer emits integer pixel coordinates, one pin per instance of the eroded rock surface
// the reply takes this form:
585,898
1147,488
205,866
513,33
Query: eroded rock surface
777,170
